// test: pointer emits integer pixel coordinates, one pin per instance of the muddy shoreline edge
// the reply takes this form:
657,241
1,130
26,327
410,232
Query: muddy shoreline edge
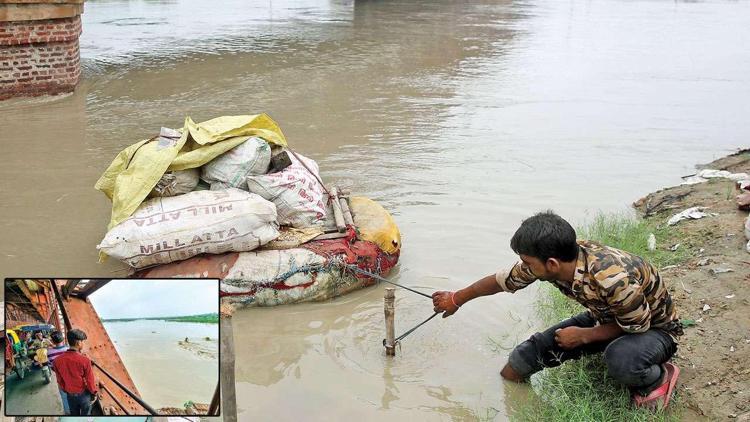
714,353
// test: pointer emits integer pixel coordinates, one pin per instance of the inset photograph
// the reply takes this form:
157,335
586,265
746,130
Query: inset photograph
111,347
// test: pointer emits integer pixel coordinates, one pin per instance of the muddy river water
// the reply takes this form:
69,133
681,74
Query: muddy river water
167,371
461,118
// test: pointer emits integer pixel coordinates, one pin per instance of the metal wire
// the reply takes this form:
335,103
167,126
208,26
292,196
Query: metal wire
377,277
398,339
356,269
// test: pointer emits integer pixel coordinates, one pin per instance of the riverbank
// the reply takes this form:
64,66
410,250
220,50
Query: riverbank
714,353
715,380
201,318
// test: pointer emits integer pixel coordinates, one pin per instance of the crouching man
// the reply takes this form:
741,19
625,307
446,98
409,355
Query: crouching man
630,318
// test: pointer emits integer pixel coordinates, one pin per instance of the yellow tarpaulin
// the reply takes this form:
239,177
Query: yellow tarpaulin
135,170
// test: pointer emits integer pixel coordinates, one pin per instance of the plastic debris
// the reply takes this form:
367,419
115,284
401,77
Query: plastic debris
729,296
693,180
651,242
674,247
706,308
703,262
704,175
693,213
720,270
713,174
687,322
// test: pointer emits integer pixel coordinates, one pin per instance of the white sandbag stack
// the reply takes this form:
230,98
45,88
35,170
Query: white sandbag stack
164,230
232,168
296,191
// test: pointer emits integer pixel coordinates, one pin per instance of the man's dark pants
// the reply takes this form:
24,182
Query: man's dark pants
632,359
80,404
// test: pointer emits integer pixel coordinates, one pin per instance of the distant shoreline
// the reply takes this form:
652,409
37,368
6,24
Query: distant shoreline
202,318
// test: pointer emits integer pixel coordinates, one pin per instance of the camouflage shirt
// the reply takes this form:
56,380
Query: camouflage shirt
613,285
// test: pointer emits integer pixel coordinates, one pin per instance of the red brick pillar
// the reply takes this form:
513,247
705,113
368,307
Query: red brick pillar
39,53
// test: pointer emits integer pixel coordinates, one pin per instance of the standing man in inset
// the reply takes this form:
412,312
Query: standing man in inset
631,317
75,375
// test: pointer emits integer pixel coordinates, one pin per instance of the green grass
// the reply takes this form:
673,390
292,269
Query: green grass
581,390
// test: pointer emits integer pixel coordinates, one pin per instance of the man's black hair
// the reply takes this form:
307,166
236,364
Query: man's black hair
75,336
57,337
545,235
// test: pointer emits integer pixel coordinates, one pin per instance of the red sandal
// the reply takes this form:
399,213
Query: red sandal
660,397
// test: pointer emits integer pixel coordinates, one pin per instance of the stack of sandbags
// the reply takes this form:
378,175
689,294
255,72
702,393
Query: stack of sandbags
295,190
212,188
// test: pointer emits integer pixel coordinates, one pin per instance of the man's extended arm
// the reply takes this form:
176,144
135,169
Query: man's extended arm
484,287
449,302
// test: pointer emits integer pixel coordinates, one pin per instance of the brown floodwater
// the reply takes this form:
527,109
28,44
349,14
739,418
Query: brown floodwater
461,118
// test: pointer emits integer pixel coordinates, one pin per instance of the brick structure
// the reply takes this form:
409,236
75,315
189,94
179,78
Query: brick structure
39,50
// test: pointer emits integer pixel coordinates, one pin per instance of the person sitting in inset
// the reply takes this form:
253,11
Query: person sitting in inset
38,341
53,353
75,375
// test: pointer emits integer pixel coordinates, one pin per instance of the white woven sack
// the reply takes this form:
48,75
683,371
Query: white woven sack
232,168
164,230
296,192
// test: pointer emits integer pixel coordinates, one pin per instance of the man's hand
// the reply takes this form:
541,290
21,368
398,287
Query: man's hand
443,302
571,337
